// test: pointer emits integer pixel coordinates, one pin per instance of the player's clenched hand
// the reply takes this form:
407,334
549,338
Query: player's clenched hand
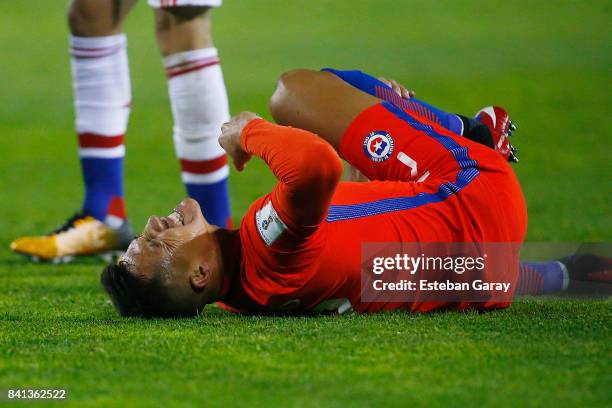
230,138
399,88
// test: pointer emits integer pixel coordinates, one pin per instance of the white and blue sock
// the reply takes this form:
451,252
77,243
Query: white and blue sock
199,108
102,95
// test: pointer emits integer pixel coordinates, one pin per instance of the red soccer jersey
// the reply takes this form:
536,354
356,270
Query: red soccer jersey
301,243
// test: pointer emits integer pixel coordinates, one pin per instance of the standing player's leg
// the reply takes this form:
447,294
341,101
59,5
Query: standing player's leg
199,102
101,83
102,91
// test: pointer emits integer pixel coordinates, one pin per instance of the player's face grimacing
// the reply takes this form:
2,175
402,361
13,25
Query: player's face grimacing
180,253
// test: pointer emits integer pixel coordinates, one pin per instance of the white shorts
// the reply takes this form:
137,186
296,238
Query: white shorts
179,3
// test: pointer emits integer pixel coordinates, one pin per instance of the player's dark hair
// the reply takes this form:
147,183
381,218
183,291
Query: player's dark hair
135,295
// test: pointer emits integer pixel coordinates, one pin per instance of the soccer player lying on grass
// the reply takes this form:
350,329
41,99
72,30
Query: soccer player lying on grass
298,248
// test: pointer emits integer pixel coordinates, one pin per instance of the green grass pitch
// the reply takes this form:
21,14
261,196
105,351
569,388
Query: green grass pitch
547,62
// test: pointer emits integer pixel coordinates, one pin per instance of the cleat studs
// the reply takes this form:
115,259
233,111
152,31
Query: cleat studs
511,128
60,260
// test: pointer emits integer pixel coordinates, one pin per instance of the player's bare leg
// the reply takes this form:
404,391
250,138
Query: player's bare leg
199,105
319,102
97,18
102,98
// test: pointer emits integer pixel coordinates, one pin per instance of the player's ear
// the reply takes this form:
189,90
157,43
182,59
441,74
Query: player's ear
200,277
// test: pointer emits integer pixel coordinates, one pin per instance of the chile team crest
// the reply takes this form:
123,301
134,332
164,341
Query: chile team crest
378,145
